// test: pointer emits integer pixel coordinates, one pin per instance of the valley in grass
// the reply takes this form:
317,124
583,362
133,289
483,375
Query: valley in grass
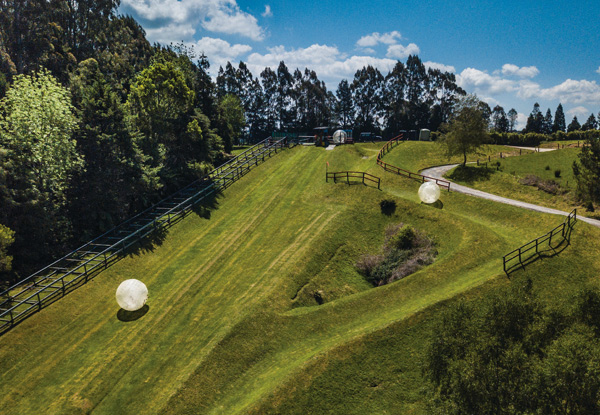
233,325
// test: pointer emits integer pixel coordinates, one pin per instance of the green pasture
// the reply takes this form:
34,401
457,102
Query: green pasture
505,180
418,155
233,326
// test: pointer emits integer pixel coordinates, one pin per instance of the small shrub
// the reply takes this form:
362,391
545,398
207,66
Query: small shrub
388,207
547,167
403,239
406,250
557,173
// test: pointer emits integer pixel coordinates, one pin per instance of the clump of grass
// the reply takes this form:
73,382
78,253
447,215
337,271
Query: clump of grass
405,251
557,173
548,186
547,167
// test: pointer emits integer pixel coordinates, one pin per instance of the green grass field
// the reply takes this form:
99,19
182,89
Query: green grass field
506,180
233,326
418,155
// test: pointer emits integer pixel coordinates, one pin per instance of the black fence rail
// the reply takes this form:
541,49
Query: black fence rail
411,175
74,269
533,249
353,177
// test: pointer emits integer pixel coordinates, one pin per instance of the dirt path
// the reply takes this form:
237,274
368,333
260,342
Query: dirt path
438,173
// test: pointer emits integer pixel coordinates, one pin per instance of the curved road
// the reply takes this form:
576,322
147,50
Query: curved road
438,173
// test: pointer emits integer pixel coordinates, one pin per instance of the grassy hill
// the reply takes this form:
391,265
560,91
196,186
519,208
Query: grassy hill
233,325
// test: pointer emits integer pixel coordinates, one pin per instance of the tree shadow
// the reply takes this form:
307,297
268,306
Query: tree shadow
470,174
124,315
208,204
388,207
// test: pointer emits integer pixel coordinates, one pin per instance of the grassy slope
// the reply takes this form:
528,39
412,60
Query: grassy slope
223,334
418,155
506,181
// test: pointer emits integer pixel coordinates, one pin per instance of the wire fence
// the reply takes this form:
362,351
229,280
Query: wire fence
402,172
52,282
533,249
352,176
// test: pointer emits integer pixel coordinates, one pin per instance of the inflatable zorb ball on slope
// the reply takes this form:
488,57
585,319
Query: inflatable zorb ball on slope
132,295
429,192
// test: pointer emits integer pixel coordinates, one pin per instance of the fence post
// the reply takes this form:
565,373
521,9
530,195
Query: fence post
348,177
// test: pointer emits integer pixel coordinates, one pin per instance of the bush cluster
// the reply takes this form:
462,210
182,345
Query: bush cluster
405,251
548,186
509,354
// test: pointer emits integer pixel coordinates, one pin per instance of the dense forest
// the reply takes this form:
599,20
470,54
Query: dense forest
96,123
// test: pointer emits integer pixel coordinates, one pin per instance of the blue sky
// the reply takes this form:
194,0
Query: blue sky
512,53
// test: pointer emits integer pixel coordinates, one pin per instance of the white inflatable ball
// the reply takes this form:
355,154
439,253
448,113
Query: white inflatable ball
132,295
429,192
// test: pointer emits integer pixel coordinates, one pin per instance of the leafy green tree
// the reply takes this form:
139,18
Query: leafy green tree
111,155
574,126
467,131
417,94
6,239
508,354
158,104
40,158
499,119
590,124
559,120
443,93
312,101
367,94
587,171
231,120
512,120
269,86
345,106
394,98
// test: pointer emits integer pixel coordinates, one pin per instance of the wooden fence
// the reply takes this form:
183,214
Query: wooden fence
402,172
74,269
533,249
348,175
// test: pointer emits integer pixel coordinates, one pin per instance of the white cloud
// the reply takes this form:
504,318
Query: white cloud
570,91
221,16
509,69
598,70
482,83
580,112
267,12
401,52
521,121
327,61
440,66
375,38
173,33
220,51
370,51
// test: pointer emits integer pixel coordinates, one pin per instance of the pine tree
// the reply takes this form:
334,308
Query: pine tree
574,126
547,124
367,94
559,120
535,121
590,124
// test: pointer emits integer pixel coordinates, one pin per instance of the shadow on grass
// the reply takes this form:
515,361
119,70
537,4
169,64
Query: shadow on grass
124,315
470,174
438,204
543,253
